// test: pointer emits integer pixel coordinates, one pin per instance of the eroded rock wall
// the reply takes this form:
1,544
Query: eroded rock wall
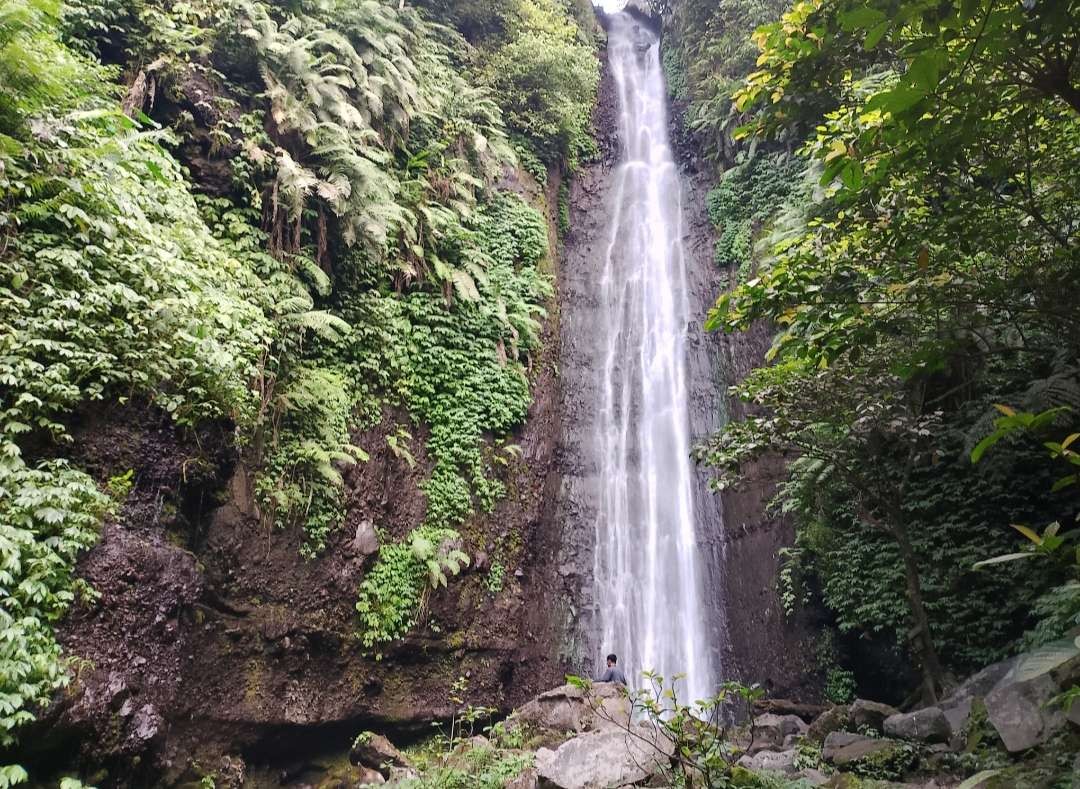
214,647
753,639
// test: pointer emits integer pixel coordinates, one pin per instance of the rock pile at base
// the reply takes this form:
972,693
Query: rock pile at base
589,739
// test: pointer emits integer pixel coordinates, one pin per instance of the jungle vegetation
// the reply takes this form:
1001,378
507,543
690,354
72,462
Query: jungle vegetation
897,195
281,218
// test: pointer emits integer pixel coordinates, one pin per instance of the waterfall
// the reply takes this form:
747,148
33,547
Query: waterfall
647,573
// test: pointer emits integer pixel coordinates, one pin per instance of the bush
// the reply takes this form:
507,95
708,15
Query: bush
546,86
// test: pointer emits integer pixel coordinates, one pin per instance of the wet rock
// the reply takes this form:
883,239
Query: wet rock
774,728
871,714
780,762
376,752
862,749
925,725
1019,712
832,720
837,740
527,780
365,542
601,759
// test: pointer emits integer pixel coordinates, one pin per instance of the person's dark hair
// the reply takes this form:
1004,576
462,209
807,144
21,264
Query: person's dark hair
612,658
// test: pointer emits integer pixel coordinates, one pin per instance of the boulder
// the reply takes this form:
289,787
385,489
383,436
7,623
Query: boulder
369,777
808,712
602,759
957,706
378,753
834,719
527,780
837,740
782,762
571,709
1019,713
871,714
925,725
774,728
864,749
365,541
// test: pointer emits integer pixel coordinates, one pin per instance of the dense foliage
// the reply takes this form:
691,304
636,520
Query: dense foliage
922,279
281,217
708,52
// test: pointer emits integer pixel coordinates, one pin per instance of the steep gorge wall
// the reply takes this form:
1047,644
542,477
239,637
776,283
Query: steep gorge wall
215,647
740,539
761,643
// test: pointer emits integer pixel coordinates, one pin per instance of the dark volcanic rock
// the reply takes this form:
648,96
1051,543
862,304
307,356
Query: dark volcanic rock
871,714
926,725
376,752
214,638
832,720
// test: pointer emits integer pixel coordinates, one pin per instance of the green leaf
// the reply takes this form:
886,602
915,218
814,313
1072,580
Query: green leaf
924,71
1064,482
1045,659
862,18
1008,557
873,38
896,100
985,444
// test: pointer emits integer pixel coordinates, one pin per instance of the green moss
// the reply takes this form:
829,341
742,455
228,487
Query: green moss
888,764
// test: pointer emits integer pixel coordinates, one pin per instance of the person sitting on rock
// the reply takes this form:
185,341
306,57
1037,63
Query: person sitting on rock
613,673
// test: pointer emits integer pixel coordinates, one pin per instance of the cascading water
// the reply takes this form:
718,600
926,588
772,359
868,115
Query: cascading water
648,580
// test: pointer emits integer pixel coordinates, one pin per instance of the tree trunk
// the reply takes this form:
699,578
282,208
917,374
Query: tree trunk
923,644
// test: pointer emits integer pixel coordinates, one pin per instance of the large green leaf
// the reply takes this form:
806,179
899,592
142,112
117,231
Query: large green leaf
1045,659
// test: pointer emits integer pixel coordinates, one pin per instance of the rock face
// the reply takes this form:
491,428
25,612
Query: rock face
756,642
571,709
1019,712
926,725
832,720
603,759
215,639
871,714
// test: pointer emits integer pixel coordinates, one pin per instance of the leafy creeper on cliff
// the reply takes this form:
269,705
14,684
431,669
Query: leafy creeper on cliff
393,594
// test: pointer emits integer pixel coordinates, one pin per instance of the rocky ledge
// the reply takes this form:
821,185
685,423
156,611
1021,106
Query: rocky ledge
1001,728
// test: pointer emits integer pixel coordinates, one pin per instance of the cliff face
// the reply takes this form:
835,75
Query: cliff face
759,643
755,642
214,646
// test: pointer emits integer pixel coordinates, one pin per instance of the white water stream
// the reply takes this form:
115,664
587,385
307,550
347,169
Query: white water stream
648,580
